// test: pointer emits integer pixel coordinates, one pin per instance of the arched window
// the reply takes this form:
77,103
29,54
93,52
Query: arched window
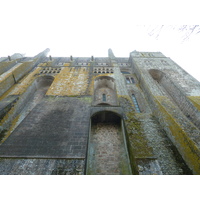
104,97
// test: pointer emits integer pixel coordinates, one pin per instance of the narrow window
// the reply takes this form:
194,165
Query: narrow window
132,80
128,80
136,104
104,97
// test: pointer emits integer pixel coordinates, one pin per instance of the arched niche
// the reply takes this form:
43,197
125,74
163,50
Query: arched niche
36,92
106,117
156,74
43,82
105,91
33,95
107,149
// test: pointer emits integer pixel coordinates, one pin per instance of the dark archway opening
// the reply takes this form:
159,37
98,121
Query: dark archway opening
106,117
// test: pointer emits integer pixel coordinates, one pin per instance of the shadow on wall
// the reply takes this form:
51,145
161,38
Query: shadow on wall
106,117
37,92
28,100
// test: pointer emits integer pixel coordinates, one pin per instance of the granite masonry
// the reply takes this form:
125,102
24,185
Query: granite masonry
136,115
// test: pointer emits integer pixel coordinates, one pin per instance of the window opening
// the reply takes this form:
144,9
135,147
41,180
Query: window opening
104,97
125,72
136,104
128,80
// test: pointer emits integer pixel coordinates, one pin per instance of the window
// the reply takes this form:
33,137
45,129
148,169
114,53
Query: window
130,80
50,70
103,70
135,104
125,72
104,97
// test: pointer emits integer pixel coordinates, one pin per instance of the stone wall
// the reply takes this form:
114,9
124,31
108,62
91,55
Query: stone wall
167,114
71,82
11,166
18,71
181,100
51,130
107,153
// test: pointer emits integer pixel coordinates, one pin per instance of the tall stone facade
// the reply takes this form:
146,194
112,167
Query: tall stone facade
98,115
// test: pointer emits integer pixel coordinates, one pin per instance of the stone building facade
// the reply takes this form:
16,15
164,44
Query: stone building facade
98,115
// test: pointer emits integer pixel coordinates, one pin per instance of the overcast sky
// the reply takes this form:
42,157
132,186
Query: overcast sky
90,27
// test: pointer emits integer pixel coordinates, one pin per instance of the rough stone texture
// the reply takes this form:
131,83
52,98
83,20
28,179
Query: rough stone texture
121,87
5,66
164,138
176,94
168,158
18,71
37,92
72,82
108,155
148,167
169,115
105,86
54,129
150,144
12,166
6,105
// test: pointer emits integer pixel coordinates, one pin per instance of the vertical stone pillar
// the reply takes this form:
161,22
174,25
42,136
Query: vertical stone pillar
119,79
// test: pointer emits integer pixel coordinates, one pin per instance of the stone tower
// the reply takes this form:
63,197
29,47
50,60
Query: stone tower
98,115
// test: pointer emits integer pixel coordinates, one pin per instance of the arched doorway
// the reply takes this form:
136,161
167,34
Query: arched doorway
107,152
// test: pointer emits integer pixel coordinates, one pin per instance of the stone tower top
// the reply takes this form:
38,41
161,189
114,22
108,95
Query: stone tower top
111,54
